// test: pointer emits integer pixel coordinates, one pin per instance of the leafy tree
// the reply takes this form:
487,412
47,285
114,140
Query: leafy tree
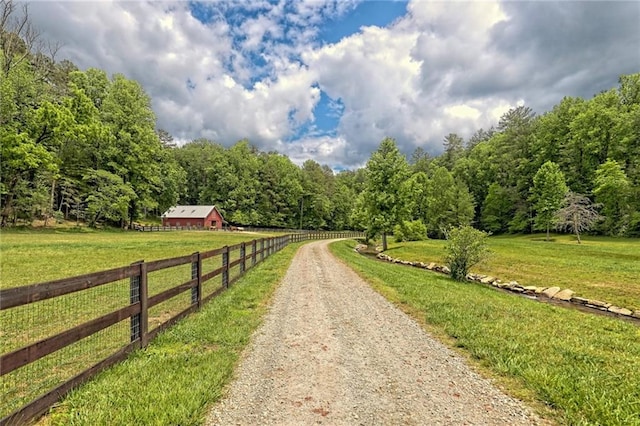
134,156
318,185
111,198
441,201
464,206
416,188
612,191
27,145
497,209
243,193
280,192
385,201
465,247
577,215
413,230
549,189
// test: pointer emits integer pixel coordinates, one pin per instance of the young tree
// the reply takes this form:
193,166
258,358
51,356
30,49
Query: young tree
577,215
549,189
385,201
465,247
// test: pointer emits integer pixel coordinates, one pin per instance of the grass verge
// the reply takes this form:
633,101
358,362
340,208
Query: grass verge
177,378
600,268
584,368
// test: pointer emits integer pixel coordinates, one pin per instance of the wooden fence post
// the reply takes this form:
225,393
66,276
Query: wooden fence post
225,266
243,260
253,252
138,294
261,249
196,274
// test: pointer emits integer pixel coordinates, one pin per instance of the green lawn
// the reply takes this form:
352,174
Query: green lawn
579,368
600,268
31,256
42,255
176,379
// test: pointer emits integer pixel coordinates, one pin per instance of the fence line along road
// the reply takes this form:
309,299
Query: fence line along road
59,334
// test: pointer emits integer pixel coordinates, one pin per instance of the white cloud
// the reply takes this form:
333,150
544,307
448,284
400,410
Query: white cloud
444,67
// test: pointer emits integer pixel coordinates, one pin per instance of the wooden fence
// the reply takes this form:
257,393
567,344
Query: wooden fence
234,262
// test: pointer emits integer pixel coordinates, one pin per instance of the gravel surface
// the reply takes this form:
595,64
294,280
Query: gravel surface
333,351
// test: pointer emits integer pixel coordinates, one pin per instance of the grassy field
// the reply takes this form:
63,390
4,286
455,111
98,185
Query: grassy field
36,256
578,368
180,374
30,256
600,268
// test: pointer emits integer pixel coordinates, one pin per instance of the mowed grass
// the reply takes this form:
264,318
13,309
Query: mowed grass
28,257
600,268
42,255
177,378
579,368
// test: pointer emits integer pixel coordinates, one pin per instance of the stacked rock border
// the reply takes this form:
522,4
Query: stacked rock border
552,293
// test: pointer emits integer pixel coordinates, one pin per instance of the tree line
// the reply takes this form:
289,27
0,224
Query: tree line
85,146
576,168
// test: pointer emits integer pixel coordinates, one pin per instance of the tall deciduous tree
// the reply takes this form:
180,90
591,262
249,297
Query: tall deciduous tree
385,200
135,154
549,189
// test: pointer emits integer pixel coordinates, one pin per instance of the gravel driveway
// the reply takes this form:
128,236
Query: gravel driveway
332,351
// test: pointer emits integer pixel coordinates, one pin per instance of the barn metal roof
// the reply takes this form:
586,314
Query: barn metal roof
188,212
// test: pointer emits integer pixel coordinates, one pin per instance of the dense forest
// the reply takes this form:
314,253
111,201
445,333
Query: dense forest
84,146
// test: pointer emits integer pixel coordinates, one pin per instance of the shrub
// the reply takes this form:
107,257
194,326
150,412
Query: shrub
465,247
414,230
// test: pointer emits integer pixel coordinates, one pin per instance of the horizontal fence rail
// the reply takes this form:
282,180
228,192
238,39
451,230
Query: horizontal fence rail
81,325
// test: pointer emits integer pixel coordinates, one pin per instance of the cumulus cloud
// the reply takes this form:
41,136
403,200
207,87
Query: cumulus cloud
233,70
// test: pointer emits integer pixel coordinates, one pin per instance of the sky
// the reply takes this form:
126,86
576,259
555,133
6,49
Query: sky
329,79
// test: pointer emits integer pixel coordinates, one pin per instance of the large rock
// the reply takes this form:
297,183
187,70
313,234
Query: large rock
579,300
487,280
530,289
564,295
598,303
619,311
636,314
551,291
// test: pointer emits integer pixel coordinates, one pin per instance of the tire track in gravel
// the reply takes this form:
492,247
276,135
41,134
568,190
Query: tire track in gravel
333,351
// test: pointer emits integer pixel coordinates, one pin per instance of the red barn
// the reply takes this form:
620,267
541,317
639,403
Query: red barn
197,216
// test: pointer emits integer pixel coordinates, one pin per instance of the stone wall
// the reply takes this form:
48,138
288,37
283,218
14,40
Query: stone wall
552,293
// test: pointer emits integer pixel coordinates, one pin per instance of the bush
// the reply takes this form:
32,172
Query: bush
465,247
414,230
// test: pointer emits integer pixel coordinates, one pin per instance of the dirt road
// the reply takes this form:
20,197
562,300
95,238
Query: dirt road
332,351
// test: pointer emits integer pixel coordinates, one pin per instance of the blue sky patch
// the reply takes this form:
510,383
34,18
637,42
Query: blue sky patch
368,13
